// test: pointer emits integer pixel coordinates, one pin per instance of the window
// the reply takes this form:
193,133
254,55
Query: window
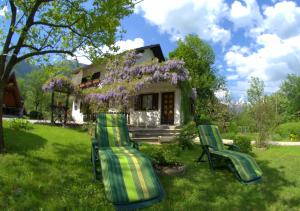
146,102
96,75
84,80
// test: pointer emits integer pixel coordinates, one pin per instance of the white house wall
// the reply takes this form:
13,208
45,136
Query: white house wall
153,118
77,116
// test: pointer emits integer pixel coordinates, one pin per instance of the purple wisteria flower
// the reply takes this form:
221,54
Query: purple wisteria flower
127,71
59,83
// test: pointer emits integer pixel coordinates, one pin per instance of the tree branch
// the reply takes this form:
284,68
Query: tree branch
11,27
39,53
8,37
24,46
55,25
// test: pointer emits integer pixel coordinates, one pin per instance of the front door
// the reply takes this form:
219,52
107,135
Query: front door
167,108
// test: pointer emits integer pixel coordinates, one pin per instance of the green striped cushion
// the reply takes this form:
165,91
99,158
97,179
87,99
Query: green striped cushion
128,175
210,135
245,165
112,130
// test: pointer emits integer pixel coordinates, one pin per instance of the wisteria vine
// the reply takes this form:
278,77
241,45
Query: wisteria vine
125,77
58,83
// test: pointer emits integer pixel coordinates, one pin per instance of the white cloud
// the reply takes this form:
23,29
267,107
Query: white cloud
3,11
245,13
125,45
282,19
232,77
271,62
178,18
122,44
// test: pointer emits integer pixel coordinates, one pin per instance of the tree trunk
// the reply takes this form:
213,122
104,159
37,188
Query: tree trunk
2,146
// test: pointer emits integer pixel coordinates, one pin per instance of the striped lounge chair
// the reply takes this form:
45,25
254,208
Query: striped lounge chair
129,179
244,166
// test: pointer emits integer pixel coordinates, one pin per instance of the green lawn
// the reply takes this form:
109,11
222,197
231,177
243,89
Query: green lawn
49,168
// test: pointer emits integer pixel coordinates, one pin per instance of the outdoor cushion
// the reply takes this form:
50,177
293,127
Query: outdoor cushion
128,175
111,130
244,165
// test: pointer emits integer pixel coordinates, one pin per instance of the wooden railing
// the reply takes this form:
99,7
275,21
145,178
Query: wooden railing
90,83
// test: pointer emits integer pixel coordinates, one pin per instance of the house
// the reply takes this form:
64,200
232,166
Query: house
13,103
155,105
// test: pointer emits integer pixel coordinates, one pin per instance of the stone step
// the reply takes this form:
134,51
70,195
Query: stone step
151,134
146,139
162,130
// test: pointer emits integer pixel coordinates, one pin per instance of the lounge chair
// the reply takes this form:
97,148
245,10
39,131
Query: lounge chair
243,166
128,176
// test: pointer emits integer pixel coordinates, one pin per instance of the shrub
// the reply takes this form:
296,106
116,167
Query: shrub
243,142
229,136
186,135
35,115
288,128
20,124
164,155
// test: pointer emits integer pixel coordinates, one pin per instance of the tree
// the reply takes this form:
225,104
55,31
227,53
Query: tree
291,89
43,27
199,59
261,109
35,98
256,91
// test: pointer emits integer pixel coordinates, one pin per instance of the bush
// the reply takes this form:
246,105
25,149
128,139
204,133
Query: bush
35,115
243,142
163,155
20,124
289,130
229,136
186,135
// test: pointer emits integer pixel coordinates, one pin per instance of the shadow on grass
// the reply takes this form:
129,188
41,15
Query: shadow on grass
22,142
203,189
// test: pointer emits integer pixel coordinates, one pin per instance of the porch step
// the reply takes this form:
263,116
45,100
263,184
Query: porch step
138,134
154,140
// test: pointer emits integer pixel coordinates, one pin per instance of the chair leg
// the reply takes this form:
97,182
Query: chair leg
94,160
210,161
201,156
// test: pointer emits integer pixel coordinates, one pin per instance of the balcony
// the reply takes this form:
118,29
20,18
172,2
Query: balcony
90,83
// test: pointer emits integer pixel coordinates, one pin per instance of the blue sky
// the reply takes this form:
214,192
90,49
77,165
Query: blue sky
259,38
249,37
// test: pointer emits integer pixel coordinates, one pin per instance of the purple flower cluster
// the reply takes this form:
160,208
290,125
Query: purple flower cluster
60,83
129,71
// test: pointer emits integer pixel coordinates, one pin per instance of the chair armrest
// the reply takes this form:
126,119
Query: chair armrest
134,144
232,147
207,146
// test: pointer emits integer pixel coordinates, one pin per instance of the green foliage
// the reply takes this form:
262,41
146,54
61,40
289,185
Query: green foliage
20,124
163,155
262,110
187,133
186,101
36,100
35,115
230,135
289,130
199,59
256,91
243,142
291,89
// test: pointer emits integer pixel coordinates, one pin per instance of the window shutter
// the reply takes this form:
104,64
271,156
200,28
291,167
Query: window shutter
138,103
155,101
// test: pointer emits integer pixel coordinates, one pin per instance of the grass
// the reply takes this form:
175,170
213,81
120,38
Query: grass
49,168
